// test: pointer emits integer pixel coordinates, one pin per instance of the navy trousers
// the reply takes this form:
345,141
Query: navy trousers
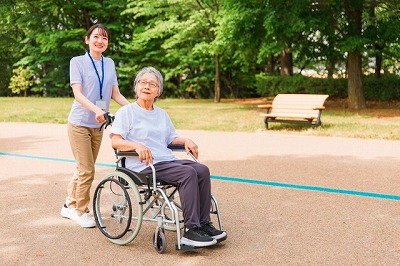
194,186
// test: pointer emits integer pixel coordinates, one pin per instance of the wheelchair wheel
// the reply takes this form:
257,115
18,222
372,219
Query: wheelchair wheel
117,208
159,240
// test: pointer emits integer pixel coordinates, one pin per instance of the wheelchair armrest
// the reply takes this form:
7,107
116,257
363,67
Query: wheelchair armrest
126,153
181,148
134,153
176,147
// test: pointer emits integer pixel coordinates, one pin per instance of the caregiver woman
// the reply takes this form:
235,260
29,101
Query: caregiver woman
94,82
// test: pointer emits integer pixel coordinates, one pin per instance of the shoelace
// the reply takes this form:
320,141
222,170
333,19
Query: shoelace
201,232
209,226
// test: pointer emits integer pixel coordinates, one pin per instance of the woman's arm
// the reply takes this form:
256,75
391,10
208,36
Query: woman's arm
77,90
118,97
119,143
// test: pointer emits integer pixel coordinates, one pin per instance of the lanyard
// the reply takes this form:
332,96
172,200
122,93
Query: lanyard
97,73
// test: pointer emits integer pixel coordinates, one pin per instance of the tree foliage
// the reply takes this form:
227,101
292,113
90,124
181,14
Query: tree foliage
21,80
204,48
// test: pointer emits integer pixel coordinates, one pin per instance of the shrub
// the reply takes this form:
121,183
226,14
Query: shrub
384,89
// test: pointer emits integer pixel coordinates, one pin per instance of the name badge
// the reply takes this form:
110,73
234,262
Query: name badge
101,105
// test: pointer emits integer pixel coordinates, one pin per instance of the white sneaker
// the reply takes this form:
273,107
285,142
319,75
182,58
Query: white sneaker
85,220
69,213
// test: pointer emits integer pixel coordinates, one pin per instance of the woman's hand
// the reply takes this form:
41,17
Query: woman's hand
192,147
144,154
100,116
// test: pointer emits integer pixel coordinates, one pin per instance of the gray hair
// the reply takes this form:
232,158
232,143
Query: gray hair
153,71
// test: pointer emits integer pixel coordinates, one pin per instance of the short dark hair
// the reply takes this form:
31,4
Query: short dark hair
103,31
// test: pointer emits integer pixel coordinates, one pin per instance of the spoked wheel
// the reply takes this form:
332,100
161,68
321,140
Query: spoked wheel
117,209
159,240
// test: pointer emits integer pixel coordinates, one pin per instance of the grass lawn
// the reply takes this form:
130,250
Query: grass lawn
378,121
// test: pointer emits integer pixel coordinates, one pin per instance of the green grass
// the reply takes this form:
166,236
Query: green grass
230,115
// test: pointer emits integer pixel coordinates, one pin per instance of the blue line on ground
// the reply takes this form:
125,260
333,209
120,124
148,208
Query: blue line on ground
312,188
48,158
240,180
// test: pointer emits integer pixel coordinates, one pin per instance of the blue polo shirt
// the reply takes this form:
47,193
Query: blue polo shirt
82,71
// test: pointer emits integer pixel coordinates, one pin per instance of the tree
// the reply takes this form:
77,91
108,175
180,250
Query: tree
356,27
22,80
178,37
381,24
284,30
240,36
11,43
53,32
204,48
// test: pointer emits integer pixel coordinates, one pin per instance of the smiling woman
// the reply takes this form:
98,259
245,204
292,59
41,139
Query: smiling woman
94,83
147,129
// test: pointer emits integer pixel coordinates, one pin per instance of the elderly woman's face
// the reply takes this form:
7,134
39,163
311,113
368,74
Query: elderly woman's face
147,87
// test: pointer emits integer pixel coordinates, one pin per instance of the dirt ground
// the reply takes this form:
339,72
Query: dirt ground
284,199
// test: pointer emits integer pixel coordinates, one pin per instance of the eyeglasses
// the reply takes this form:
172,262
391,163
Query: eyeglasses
152,85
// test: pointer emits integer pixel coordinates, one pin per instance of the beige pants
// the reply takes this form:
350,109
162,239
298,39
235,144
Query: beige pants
85,145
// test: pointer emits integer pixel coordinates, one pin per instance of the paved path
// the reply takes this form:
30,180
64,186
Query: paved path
285,200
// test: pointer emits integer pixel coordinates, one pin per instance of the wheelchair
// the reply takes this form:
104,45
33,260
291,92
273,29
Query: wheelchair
124,199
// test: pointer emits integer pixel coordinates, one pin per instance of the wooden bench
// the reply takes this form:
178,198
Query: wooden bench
294,108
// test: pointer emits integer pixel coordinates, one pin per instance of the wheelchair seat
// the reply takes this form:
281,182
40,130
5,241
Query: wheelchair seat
141,179
138,178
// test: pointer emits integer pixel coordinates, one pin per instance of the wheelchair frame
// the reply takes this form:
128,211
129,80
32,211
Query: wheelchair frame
120,220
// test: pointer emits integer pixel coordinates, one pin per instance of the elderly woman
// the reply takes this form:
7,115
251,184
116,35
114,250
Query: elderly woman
148,130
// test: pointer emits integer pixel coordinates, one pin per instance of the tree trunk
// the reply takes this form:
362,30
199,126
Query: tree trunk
286,62
271,64
356,98
330,66
378,61
217,88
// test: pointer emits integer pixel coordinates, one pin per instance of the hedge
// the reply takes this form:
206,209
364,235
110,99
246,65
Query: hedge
385,88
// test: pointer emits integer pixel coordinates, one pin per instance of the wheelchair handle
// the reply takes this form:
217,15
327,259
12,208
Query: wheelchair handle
109,120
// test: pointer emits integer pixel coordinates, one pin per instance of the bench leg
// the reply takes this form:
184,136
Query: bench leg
319,118
266,122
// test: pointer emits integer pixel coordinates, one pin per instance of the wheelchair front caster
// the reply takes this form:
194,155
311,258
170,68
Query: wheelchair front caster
159,240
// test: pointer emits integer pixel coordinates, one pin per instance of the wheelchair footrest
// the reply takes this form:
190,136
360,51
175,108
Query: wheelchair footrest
221,239
185,247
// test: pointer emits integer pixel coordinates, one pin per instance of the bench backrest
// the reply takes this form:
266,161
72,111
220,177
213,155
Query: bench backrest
298,103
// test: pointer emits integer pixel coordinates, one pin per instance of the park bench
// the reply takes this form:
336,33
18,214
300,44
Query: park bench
294,108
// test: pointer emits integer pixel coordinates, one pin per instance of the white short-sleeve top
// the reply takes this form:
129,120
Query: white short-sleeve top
153,129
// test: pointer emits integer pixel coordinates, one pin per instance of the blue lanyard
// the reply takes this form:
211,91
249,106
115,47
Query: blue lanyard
97,73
